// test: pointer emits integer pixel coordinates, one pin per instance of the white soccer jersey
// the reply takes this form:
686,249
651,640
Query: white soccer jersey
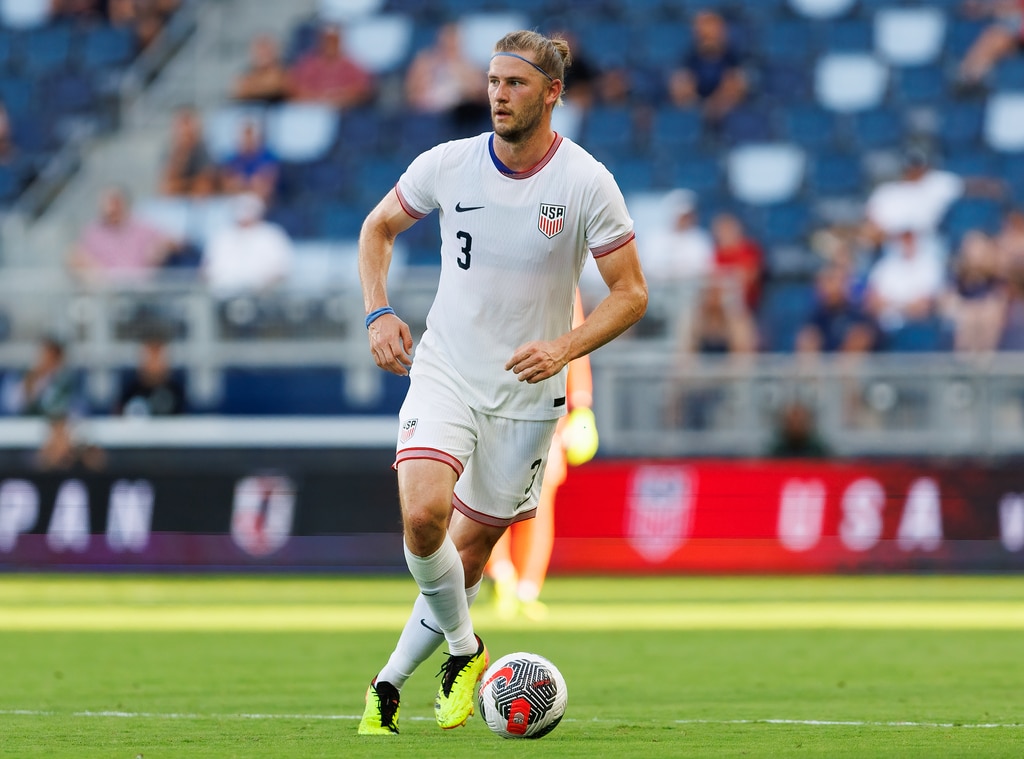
512,248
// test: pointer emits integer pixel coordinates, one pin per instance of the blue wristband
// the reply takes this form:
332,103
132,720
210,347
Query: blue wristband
375,315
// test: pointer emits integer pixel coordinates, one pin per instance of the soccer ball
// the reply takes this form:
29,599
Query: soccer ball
522,695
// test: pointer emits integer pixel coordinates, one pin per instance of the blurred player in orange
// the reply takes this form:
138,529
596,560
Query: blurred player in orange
519,560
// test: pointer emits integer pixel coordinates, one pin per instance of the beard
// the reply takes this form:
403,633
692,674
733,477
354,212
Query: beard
523,124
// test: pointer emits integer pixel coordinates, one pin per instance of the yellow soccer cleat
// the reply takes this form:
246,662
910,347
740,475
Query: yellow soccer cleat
381,714
580,436
506,602
456,698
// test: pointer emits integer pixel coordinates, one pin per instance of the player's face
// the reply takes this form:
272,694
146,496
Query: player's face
517,95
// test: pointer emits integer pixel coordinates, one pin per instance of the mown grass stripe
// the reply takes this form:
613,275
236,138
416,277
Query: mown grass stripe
939,615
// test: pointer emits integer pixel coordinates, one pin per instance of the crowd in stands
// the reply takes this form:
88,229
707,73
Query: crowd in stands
900,229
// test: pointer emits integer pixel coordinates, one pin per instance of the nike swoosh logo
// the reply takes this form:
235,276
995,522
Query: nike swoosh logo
430,594
433,630
459,208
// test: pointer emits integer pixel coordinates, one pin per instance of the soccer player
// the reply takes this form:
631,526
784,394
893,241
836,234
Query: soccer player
519,209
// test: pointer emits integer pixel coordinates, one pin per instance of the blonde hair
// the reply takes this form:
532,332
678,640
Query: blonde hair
551,55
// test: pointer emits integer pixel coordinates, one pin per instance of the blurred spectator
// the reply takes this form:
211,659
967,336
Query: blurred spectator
326,74
796,434
9,152
722,323
684,250
153,389
188,168
117,247
1010,240
1003,37
837,323
738,256
974,302
711,75
147,17
904,285
265,78
918,200
441,79
62,450
249,257
252,168
1011,335
586,83
47,388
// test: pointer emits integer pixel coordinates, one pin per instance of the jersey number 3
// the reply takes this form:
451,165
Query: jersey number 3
467,245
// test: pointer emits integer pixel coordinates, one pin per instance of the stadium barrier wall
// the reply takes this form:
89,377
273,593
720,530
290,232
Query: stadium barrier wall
338,511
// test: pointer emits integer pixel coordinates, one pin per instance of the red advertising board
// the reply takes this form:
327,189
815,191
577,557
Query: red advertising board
770,516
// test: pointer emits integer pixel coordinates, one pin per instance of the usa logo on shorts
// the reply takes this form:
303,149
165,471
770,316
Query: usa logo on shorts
552,219
408,430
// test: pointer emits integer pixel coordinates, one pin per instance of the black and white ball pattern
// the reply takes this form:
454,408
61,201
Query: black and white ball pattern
522,695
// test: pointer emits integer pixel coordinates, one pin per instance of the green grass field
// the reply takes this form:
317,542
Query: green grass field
215,667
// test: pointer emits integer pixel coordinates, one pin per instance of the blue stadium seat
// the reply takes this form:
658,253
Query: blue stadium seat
1009,74
808,125
783,309
972,162
835,174
10,185
787,41
972,213
605,41
674,129
876,128
337,221
959,125
786,84
961,35
361,133
294,218
108,47
925,336
701,173
853,35
659,45
375,177
46,50
71,93
745,124
784,224
919,85
608,129
633,173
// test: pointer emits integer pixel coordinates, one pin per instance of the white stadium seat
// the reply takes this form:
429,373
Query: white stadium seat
299,132
765,173
1004,122
850,82
222,128
24,14
172,216
343,11
479,32
910,36
820,8
380,44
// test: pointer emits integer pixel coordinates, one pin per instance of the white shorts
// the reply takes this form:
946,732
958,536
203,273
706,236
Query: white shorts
499,462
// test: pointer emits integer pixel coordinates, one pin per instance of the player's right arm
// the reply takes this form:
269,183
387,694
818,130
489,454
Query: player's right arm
390,337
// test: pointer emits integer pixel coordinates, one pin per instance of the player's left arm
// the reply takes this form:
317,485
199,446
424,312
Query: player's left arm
623,306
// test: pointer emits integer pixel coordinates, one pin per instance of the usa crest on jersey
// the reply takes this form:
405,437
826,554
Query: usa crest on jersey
552,219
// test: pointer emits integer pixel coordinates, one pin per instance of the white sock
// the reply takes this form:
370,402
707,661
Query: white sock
418,641
442,582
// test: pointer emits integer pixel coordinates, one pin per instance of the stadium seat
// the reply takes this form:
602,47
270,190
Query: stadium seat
909,36
1008,75
698,172
381,44
784,307
301,132
171,215
972,213
361,132
608,128
10,185
959,125
25,14
108,47
1004,115
567,120
972,161
634,174
674,129
337,221
876,128
321,264
850,82
787,41
786,84
919,85
479,32
811,126
607,44
747,124
835,174
925,336
822,9
46,50
71,93
852,35
223,126
765,173
657,45
344,11
784,224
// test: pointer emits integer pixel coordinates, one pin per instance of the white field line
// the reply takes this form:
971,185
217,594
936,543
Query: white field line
354,717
